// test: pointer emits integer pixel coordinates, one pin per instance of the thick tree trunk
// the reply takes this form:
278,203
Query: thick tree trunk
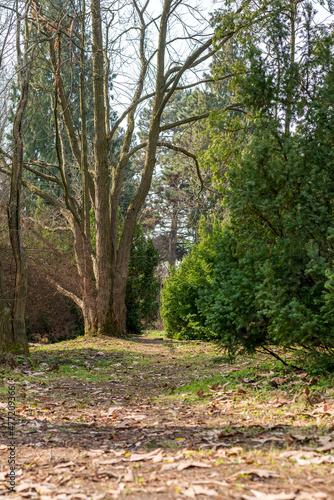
118,307
90,317
102,180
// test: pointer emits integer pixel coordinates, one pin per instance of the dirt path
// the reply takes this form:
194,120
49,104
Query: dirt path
160,419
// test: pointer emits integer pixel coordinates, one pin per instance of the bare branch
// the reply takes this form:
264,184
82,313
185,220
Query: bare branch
51,178
49,228
179,149
35,190
232,107
65,292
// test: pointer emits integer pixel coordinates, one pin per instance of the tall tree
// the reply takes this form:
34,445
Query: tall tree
13,333
160,73
181,193
266,278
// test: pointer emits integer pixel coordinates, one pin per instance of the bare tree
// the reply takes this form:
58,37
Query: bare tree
12,327
153,53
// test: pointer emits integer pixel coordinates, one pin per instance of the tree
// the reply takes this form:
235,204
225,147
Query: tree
180,193
12,327
103,273
270,279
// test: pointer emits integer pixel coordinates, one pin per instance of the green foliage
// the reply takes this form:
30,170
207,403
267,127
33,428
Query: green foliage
142,287
179,309
271,272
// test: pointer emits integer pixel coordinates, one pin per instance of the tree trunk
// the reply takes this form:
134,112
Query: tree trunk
7,343
172,238
120,273
83,257
103,285
102,180
14,222
118,307
288,111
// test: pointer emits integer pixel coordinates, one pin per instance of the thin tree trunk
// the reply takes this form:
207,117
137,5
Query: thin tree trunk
7,343
84,160
173,238
83,257
14,225
288,112
13,209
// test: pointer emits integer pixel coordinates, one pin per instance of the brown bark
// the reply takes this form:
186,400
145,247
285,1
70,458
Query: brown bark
84,159
14,225
123,254
103,271
82,249
173,237
13,208
7,343
288,111
102,181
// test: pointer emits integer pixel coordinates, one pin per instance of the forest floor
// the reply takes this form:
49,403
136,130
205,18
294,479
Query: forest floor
153,418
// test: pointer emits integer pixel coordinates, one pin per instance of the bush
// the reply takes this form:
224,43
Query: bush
267,278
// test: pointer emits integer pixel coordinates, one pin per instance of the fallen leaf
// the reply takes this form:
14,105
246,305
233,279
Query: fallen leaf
166,467
306,457
267,439
189,463
258,495
158,457
95,453
129,476
327,447
63,465
234,451
270,374
257,472
189,493
324,439
300,437
218,483
326,409
25,486
112,461
241,391
137,457
277,381
199,490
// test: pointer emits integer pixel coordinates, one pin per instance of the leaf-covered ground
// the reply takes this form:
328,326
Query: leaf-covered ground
149,417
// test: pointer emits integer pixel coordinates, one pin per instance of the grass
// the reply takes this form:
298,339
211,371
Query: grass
187,392
201,371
